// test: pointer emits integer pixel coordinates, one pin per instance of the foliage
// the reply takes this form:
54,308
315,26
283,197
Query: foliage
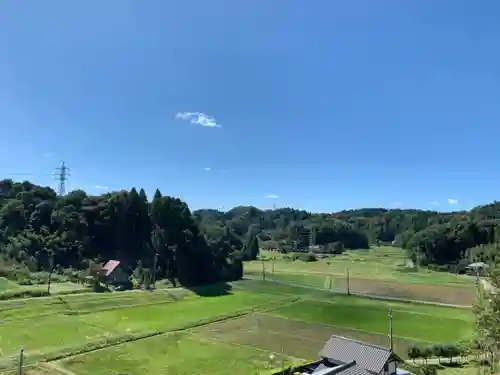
40,230
487,310
307,257
452,239
438,351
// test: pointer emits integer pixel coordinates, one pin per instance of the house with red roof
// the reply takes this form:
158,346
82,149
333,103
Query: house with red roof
114,274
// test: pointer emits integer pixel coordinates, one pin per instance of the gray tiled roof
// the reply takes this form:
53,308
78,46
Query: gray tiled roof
344,350
354,370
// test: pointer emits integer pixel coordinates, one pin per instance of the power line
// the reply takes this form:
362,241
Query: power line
61,175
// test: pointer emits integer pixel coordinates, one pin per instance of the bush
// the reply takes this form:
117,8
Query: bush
334,248
307,257
291,256
414,352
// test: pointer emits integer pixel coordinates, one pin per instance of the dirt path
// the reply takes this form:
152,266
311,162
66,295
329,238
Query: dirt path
487,285
58,368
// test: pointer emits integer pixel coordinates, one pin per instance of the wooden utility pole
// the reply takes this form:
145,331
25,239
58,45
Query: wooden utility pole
155,260
348,282
263,270
51,271
390,330
21,359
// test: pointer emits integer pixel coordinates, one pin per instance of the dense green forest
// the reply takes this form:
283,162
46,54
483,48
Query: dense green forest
430,237
42,231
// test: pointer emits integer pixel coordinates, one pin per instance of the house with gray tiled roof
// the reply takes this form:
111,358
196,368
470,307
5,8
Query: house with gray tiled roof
344,356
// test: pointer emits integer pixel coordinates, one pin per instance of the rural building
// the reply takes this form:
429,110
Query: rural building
477,269
344,356
114,273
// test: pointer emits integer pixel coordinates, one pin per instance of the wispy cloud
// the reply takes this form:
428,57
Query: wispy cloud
101,187
396,204
434,203
208,169
46,155
452,201
272,196
198,118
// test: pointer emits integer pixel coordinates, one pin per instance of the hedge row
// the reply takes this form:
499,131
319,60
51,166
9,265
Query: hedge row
440,351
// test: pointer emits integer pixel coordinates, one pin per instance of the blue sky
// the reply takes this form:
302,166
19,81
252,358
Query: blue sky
321,105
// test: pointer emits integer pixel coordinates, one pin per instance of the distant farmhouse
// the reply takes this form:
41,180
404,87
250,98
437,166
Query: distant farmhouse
114,274
344,356
477,269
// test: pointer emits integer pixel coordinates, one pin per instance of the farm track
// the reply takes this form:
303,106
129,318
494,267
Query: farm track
372,296
56,366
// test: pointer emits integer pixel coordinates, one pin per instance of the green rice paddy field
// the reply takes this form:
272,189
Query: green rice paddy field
218,330
380,271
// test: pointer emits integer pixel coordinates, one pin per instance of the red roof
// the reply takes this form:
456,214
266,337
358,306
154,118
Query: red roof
110,267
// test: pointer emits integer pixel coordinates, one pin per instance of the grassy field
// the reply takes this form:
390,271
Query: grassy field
7,285
379,263
180,353
215,330
55,288
379,271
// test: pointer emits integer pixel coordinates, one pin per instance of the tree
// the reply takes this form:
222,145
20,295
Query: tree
96,273
427,353
252,247
414,352
487,311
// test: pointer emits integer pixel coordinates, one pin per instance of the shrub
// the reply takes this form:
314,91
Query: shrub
307,257
335,248
414,352
292,256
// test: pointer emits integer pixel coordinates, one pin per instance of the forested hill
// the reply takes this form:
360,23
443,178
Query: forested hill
430,237
40,231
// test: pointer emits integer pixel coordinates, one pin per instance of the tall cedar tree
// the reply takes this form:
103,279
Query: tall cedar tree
39,228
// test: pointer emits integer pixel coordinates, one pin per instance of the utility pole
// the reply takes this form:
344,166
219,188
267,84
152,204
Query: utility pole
61,175
312,238
263,270
390,330
21,360
154,270
51,271
348,282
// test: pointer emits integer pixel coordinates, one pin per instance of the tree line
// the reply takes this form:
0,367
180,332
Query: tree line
451,240
41,231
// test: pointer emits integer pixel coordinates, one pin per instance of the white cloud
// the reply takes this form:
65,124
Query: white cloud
272,196
46,155
198,118
207,169
452,201
396,204
434,203
101,187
